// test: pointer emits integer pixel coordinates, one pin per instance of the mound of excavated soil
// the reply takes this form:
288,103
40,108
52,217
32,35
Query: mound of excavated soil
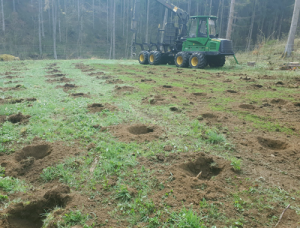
18,118
30,161
247,106
160,100
122,89
76,95
31,215
16,88
137,132
97,107
15,100
114,81
67,87
272,144
209,116
180,178
63,79
231,91
278,102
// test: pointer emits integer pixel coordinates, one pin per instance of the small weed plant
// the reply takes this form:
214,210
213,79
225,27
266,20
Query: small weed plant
236,164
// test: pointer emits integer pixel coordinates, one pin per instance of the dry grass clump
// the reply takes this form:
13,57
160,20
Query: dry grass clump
6,57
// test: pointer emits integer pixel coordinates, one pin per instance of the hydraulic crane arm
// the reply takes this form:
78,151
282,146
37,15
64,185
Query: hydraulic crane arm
183,15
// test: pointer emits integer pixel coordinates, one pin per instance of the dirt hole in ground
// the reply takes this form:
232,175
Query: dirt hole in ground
75,95
297,104
278,101
37,152
140,130
31,215
231,91
18,118
209,116
205,165
247,106
200,94
272,144
167,86
97,107
69,85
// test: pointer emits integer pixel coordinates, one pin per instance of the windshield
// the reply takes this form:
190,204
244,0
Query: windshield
212,28
202,29
193,28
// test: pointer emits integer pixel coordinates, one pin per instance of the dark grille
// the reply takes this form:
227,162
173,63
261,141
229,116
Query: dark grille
226,47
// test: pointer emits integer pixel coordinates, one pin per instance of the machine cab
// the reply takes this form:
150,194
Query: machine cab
201,30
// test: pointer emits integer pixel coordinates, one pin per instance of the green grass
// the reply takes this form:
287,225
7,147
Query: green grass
56,116
12,185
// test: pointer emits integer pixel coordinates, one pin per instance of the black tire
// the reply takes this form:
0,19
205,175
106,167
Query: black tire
198,60
216,61
182,59
143,57
155,58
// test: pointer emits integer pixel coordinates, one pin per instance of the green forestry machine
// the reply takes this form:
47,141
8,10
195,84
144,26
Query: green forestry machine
193,43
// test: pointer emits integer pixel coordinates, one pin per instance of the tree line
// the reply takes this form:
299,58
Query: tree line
102,28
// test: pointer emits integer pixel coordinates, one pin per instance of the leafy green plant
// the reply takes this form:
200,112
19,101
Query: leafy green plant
75,218
123,193
186,219
214,137
3,197
11,185
236,163
2,171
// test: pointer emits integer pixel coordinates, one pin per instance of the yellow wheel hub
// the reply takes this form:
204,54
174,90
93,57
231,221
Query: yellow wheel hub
194,61
151,58
142,58
179,60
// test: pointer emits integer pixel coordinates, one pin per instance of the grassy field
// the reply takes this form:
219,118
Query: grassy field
101,143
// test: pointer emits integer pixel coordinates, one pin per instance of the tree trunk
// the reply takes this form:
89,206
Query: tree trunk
280,26
93,14
290,43
42,19
147,24
114,29
251,27
107,26
3,18
14,6
78,9
54,29
134,31
40,30
221,19
210,7
230,20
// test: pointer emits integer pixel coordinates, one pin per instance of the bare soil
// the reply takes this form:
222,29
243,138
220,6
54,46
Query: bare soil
98,107
137,132
29,162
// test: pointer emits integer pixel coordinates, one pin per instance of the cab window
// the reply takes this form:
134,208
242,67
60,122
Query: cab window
193,28
212,28
202,29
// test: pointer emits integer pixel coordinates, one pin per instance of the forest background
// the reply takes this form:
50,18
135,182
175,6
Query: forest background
64,29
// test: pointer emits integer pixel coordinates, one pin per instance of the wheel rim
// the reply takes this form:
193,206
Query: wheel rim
151,58
194,61
142,58
179,60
